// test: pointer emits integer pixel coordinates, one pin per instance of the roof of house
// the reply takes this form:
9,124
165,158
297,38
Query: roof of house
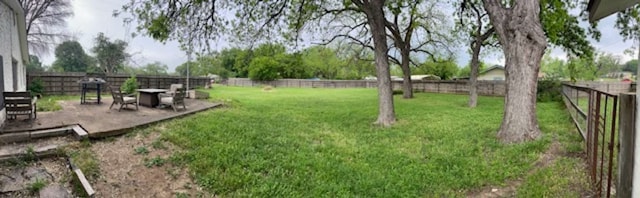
492,68
423,77
599,9
22,27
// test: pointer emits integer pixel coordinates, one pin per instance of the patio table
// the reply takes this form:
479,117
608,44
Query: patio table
149,97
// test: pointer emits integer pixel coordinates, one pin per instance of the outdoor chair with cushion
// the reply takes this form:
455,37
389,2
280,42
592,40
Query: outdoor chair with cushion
122,99
173,88
174,99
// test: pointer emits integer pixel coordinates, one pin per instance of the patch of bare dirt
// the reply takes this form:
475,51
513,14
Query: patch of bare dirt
509,190
127,173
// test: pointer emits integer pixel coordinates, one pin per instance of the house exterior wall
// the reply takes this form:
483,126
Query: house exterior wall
496,74
11,52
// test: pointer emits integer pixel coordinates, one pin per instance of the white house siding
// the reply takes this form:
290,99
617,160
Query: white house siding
495,74
8,24
16,54
10,50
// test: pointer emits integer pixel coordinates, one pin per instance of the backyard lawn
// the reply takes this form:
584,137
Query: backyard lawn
291,142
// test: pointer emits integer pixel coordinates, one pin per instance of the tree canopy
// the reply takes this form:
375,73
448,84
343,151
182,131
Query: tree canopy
110,55
70,57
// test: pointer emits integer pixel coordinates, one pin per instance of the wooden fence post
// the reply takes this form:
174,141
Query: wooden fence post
627,145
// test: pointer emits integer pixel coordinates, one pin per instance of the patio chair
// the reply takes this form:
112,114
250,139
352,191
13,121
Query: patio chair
172,91
122,99
175,99
173,88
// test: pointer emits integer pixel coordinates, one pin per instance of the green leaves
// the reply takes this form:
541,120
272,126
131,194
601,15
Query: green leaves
110,54
70,57
158,28
563,29
628,23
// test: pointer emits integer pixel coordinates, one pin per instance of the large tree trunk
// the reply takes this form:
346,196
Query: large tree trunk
473,76
375,19
523,42
407,86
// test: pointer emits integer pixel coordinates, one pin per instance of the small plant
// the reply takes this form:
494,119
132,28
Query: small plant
30,154
36,87
157,144
156,161
182,195
36,186
130,85
142,150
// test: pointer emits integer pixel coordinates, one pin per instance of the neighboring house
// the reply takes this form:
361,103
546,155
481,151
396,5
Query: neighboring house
495,72
14,53
425,77
620,75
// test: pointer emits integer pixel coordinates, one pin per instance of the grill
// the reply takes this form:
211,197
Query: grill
89,85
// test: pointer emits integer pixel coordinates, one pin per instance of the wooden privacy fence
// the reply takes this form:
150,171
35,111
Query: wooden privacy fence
491,88
67,82
609,87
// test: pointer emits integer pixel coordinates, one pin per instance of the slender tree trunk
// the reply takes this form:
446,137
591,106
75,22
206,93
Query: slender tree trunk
473,77
375,19
407,86
523,42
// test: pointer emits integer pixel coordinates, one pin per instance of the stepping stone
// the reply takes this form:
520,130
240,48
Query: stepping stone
80,132
11,181
54,191
33,175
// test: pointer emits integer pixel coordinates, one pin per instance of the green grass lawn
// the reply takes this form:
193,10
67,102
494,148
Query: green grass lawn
50,103
321,143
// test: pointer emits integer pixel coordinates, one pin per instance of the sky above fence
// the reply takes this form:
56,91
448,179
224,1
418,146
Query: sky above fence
94,16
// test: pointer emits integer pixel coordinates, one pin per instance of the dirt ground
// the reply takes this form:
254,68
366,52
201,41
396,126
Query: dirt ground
136,166
54,171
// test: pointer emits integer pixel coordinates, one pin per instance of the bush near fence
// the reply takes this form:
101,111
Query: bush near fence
61,83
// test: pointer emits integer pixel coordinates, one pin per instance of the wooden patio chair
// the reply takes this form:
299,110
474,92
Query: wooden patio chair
175,99
20,103
122,99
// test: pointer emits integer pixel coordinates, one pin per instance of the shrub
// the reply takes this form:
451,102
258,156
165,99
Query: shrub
549,90
36,87
264,69
130,85
397,92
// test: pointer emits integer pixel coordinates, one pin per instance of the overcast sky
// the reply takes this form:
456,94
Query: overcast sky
94,16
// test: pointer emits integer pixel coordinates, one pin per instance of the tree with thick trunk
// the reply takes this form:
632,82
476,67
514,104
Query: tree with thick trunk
376,20
523,41
195,24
